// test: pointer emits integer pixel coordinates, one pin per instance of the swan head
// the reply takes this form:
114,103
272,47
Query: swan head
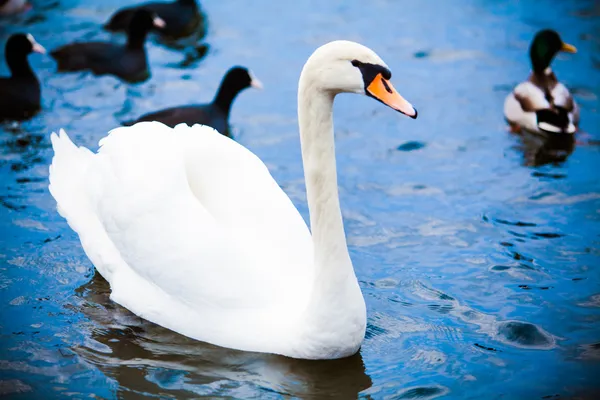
343,66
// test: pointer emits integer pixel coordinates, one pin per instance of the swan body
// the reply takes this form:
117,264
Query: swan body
194,234
542,104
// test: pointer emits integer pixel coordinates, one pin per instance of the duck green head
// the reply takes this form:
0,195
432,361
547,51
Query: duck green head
544,47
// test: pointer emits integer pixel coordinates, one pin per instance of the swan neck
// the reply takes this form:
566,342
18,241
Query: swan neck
315,116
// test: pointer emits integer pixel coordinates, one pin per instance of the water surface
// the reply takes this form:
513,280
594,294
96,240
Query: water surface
480,271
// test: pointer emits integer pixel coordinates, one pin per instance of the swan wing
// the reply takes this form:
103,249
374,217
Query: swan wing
189,215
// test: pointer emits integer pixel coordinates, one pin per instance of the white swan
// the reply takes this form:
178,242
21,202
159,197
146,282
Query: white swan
193,233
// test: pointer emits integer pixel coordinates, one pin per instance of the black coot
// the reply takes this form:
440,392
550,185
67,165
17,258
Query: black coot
20,93
214,114
182,18
127,62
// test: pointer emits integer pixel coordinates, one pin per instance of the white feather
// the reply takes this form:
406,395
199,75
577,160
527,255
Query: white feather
548,127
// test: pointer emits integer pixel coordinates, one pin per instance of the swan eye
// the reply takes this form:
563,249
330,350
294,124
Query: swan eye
370,71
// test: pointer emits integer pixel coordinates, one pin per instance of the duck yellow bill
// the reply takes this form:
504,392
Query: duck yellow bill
383,91
568,48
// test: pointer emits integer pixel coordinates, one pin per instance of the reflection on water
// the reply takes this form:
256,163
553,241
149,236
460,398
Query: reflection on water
540,150
143,356
478,261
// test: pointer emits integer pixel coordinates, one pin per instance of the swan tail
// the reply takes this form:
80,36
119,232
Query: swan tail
67,177
71,186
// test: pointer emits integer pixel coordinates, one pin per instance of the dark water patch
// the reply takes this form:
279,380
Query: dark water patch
514,223
423,392
35,19
411,146
11,127
518,256
192,57
552,176
21,166
524,334
30,179
592,11
444,296
577,279
427,292
441,308
526,266
500,268
548,235
29,140
373,331
13,386
590,352
592,301
402,302
24,142
541,196
485,347
519,234
364,283
5,202
529,287
52,239
506,244
435,292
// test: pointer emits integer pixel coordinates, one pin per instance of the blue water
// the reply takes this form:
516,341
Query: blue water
480,271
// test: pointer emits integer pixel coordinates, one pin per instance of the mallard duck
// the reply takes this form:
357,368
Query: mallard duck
193,233
542,104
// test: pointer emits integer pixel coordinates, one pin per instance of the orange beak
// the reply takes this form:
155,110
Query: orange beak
383,91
